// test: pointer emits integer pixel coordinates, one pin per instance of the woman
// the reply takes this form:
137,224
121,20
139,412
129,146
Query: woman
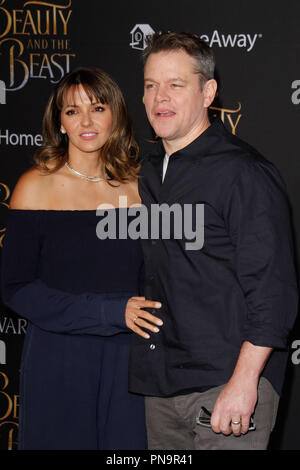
74,288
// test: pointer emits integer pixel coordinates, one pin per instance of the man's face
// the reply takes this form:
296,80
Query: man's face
175,104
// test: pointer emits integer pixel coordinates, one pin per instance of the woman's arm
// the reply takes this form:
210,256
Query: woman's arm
27,295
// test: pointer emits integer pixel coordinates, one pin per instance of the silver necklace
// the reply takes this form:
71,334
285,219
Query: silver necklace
93,179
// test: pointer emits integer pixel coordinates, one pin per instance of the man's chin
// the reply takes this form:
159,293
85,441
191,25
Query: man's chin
163,134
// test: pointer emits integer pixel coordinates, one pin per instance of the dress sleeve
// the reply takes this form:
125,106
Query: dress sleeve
258,221
48,308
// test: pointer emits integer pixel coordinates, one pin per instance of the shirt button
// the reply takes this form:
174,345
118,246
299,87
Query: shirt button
152,346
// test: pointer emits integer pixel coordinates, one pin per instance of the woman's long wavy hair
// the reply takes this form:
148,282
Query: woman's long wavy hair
119,155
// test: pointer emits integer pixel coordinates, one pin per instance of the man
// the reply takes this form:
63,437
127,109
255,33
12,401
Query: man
227,306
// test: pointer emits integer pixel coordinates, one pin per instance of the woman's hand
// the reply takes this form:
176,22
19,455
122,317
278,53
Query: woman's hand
136,317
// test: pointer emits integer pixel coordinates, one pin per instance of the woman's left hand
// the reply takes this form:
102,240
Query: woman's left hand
137,318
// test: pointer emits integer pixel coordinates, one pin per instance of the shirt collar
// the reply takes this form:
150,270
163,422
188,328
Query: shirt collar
198,147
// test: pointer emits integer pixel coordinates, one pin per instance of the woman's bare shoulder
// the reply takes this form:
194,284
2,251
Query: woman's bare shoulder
130,190
30,190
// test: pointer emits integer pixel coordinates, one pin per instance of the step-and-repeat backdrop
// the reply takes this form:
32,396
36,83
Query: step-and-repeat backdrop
257,47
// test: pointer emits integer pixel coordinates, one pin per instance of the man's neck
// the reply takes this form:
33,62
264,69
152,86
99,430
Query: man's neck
173,145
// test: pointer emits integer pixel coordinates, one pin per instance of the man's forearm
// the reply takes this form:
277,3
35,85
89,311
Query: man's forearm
251,361
238,398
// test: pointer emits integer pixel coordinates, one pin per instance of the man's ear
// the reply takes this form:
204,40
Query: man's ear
209,91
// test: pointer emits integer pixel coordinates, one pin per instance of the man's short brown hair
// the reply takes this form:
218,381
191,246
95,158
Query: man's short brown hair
190,43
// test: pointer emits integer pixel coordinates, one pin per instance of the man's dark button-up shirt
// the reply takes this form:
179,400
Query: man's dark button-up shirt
239,285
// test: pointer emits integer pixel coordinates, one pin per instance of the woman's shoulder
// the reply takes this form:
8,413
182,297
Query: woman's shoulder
130,190
30,190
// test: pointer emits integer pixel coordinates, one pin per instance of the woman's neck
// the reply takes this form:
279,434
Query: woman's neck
88,164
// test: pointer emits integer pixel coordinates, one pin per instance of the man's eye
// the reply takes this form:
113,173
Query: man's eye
150,85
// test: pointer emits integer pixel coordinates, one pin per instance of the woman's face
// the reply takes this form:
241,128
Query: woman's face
87,123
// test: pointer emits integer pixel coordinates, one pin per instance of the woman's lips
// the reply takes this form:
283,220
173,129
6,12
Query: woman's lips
88,135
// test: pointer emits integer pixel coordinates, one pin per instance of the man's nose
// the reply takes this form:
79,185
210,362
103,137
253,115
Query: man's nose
162,94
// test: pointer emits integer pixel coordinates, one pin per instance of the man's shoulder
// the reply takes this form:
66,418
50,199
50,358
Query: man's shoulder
235,153
242,162
222,150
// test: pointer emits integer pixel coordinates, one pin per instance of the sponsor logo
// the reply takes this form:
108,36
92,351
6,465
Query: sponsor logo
2,92
139,34
295,97
2,352
9,414
225,114
11,138
295,358
13,326
244,41
34,42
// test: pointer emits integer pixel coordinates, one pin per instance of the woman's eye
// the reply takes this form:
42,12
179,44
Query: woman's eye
99,108
70,112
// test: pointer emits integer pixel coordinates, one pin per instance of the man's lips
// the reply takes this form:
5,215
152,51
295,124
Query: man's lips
164,113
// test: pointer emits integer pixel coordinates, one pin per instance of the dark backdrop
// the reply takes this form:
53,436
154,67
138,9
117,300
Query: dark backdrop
257,47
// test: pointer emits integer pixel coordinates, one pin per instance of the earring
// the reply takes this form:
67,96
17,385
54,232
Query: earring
62,131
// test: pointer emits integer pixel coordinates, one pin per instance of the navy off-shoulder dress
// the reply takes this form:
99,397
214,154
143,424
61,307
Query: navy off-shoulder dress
73,289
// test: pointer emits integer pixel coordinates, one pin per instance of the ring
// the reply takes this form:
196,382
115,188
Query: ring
235,422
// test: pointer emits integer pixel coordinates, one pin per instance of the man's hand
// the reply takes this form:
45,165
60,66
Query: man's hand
237,400
234,407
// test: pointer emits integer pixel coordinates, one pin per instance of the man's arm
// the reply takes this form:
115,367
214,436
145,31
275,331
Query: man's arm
257,217
237,400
